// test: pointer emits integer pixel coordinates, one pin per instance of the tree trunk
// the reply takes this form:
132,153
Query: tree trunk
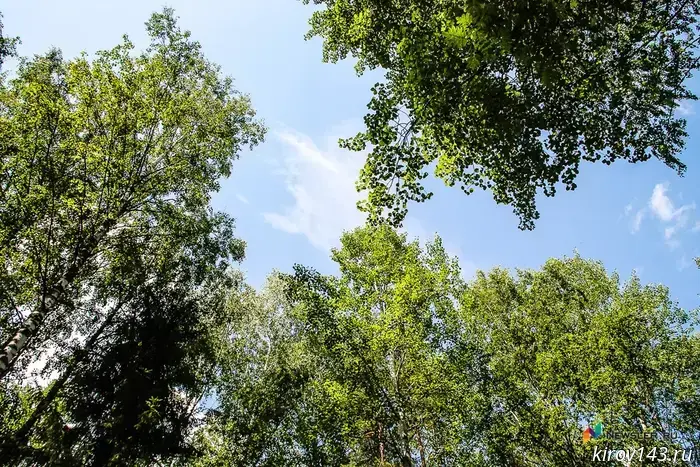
18,342
404,443
421,449
381,446
12,449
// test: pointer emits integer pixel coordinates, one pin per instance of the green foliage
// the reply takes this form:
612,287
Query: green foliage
385,368
164,355
131,392
511,96
265,414
17,402
129,144
136,401
398,361
568,345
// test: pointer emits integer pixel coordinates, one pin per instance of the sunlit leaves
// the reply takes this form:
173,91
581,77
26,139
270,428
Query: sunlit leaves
513,94
132,146
132,142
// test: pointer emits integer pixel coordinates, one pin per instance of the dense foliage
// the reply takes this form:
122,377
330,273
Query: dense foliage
93,152
398,361
511,95
115,268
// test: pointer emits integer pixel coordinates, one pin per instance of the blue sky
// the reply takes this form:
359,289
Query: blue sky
294,195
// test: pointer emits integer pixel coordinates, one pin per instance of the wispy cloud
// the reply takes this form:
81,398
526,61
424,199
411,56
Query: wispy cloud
685,109
242,198
663,208
673,219
660,204
637,221
321,181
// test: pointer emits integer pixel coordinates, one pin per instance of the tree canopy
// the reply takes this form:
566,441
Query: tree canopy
399,361
511,96
115,268
96,151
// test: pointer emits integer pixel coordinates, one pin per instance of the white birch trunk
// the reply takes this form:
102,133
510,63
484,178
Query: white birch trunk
33,321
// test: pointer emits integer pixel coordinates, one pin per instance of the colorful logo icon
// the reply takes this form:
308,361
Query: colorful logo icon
593,433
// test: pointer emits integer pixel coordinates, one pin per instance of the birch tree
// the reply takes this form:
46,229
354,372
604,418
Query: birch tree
129,391
570,345
262,414
93,149
413,366
385,373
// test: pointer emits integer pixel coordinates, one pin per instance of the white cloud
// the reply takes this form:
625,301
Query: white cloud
685,109
696,227
242,199
321,181
637,221
322,184
661,204
663,208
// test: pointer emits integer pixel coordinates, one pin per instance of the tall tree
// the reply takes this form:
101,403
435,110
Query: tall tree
511,96
569,345
92,151
131,389
263,414
385,370
135,402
